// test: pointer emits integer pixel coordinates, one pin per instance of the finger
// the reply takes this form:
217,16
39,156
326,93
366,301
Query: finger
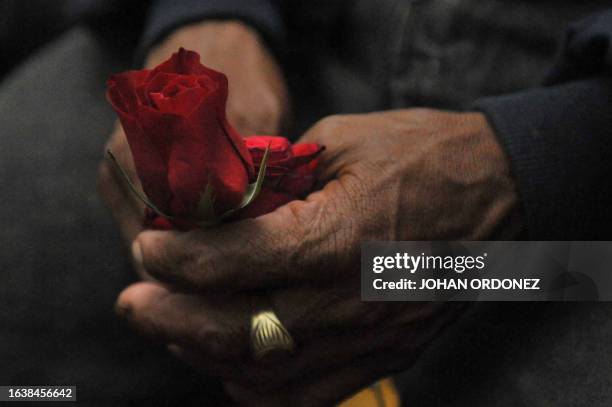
328,132
301,241
305,310
217,327
309,361
137,261
357,140
338,382
343,138
320,354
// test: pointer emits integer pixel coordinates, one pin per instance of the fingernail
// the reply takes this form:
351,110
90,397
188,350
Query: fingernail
137,252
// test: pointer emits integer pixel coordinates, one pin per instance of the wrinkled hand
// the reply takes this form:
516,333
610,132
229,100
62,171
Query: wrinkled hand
257,102
400,175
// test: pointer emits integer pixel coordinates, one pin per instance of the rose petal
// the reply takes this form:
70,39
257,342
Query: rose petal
203,154
151,167
121,90
304,153
174,117
280,148
296,184
181,104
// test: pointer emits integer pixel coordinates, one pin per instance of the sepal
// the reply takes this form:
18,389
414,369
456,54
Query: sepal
205,214
133,188
253,189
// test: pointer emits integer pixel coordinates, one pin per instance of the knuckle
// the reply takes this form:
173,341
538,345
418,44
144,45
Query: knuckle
329,124
263,117
329,129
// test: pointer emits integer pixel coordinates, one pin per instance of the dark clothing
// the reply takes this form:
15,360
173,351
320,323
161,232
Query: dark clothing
63,263
165,16
559,141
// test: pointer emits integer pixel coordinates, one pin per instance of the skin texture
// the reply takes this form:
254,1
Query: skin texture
400,175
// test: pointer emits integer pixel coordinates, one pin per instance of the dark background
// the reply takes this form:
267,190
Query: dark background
62,262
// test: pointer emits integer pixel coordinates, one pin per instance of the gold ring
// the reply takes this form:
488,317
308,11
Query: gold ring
269,335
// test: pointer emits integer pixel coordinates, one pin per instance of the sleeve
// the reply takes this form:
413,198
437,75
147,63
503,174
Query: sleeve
559,138
167,15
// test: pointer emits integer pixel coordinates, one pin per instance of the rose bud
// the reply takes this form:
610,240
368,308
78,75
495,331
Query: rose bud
193,166
289,172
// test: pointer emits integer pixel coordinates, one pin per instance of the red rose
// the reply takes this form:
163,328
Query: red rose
181,142
289,172
194,167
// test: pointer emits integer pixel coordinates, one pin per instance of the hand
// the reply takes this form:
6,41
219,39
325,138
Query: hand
257,102
400,175
258,98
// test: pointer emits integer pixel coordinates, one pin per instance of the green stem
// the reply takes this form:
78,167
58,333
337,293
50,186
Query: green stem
133,188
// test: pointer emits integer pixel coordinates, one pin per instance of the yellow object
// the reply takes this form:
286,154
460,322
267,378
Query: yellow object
381,394
268,334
